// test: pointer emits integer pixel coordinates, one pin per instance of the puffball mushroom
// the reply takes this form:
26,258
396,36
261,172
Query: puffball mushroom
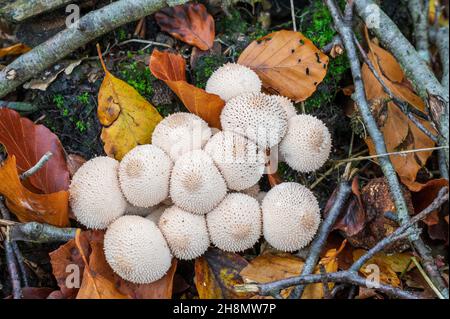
95,196
238,159
287,105
196,184
136,250
307,144
185,233
144,175
257,116
231,80
235,225
180,133
291,216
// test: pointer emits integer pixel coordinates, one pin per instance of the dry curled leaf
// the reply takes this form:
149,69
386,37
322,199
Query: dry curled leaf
288,64
171,68
217,274
27,206
28,142
190,23
15,49
127,118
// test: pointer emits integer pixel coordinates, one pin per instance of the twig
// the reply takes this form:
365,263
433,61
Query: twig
427,279
326,288
294,23
419,16
12,269
41,233
21,10
22,107
149,43
89,27
44,159
435,92
21,262
343,192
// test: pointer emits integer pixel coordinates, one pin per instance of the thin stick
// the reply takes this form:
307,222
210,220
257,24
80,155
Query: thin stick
144,42
427,279
294,23
44,159
12,268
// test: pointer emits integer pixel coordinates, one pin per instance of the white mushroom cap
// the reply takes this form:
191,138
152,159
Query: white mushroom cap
196,184
185,233
95,196
257,116
144,175
136,250
180,133
231,80
307,144
287,105
238,159
235,225
291,216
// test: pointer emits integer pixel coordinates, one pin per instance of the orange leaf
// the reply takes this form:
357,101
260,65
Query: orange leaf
28,142
27,206
287,63
190,23
170,68
15,49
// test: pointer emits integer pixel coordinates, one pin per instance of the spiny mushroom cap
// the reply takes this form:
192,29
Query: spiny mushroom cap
156,213
291,216
180,133
307,144
235,225
185,233
136,250
287,105
95,196
231,80
257,116
144,175
238,159
196,184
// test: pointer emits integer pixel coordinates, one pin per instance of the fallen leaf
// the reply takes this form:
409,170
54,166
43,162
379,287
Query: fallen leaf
27,206
15,49
217,273
270,267
171,68
74,162
127,118
399,132
388,265
287,63
427,194
190,23
28,142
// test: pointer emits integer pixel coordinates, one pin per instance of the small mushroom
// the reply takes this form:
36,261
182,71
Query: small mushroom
238,159
136,250
291,216
180,133
144,175
307,144
231,80
196,184
185,233
287,105
257,116
95,196
235,225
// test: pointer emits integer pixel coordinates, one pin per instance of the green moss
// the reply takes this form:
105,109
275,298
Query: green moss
232,24
81,126
58,100
121,34
205,67
83,98
138,75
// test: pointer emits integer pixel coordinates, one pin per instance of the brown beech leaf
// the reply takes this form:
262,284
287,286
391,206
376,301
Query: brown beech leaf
171,68
190,23
15,49
287,62
27,206
217,274
399,132
28,142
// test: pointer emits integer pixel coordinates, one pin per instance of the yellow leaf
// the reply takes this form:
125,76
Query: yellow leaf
127,118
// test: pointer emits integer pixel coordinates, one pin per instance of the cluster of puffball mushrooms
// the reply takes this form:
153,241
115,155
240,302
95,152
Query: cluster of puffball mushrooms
194,186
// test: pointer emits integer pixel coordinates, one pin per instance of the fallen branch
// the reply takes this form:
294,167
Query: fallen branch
21,10
44,159
12,269
40,233
89,27
22,107
420,22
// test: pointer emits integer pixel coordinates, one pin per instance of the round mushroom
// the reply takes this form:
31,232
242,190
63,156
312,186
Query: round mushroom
257,116
235,225
307,144
231,80
95,196
238,159
180,133
185,233
144,175
136,250
287,105
196,184
291,216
